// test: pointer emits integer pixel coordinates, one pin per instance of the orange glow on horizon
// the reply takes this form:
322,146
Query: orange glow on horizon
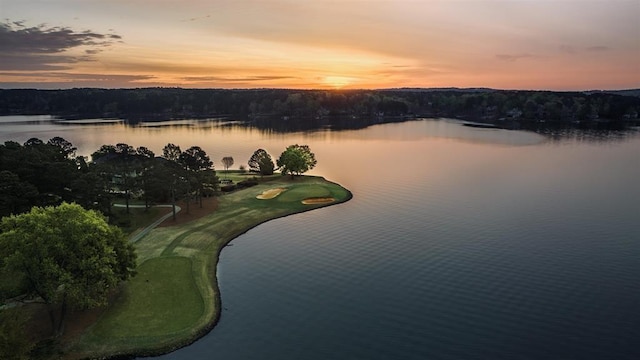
323,44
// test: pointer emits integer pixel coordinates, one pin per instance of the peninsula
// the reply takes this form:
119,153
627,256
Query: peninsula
175,299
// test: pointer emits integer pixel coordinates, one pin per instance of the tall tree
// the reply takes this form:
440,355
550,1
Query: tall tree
175,171
296,159
67,150
119,165
227,161
146,160
261,162
69,257
195,161
171,152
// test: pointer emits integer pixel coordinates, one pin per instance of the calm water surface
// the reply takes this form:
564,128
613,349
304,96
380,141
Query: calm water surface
459,243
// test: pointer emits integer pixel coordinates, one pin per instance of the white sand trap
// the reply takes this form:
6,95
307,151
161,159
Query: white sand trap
270,194
318,200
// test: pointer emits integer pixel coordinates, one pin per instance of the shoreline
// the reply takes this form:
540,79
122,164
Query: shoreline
204,269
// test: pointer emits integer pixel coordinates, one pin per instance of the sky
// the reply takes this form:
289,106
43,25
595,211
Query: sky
321,44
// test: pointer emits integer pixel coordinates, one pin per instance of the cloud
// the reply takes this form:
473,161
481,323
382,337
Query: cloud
235,79
81,77
36,62
197,18
44,48
59,80
597,48
591,49
514,57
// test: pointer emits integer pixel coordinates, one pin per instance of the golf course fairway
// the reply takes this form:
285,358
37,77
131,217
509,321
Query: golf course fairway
174,299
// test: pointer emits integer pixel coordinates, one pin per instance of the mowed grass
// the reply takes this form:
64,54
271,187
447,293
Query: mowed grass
163,284
237,175
136,219
296,194
175,297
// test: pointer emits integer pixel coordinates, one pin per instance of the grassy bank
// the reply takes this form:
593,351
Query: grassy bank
174,299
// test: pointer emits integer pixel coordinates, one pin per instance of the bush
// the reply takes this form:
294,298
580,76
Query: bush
247,183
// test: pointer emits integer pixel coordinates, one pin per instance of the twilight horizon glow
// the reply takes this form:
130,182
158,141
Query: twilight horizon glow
320,44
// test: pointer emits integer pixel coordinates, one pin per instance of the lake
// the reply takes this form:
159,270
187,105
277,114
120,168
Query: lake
459,243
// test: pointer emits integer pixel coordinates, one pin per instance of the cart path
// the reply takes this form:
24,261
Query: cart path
142,233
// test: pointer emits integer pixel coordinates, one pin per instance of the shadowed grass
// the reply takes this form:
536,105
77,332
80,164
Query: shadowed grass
136,219
161,299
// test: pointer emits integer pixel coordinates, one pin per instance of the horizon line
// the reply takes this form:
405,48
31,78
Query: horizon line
406,88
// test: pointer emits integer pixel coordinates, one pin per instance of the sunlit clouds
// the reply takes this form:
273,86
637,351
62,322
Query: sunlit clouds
508,44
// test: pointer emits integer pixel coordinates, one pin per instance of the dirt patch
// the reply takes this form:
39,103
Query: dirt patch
209,205
318,200
270,194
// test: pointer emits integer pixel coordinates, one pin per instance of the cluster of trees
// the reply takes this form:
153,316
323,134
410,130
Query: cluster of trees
294,160
42,174
175,175
64,256
260,105
39,173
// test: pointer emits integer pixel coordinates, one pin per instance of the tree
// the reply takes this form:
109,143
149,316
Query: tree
175,171
67,150
69,256
171,152
296,159
146,160
43,167
195,162
119,165
15,196
261,162
227,161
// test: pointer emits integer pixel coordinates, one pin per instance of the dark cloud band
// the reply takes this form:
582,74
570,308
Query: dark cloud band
42,48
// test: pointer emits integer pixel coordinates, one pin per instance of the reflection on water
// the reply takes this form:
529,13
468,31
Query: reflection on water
589,135
241,138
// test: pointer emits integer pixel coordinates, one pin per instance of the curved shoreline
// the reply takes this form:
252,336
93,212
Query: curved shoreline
213,314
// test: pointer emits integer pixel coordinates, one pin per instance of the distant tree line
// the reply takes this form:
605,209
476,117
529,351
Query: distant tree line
316,108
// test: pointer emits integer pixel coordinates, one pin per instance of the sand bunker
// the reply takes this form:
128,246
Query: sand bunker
270,194
318,200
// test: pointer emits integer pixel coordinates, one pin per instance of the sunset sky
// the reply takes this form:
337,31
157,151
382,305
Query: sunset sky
320,44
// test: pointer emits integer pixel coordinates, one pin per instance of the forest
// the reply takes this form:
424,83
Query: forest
306,109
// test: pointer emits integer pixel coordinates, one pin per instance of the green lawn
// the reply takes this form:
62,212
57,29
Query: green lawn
164,284
237,175
136,219
175,297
